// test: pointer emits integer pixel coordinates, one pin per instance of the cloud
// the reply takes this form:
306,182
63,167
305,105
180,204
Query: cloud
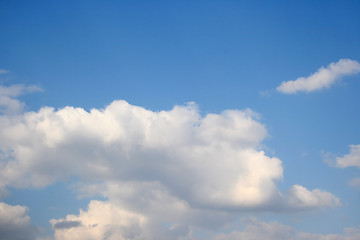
323,78
275,231
169,171
216,156
350,160
8,102
303,198
102,220
15,224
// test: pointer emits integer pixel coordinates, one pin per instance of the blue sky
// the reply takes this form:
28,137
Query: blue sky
280,159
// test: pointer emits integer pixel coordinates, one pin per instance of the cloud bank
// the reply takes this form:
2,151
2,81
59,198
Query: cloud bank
255,230
163,173
103,220
323,78
209,161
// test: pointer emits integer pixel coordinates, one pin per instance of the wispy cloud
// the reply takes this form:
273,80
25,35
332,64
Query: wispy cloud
323,78
355,182
352,159
3,71
9,104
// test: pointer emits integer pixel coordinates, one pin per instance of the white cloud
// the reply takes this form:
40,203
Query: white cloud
323,78
8,102
105,220
174,167
303,198
209,161
15,224
275,231
350,160
102,220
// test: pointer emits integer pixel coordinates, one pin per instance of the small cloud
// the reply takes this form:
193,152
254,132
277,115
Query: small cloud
350,160
66,224
323,78
266,93
299,196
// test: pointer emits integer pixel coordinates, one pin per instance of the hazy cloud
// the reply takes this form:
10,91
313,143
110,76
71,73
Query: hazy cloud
323,78
275,231
66,224
355,182
3,71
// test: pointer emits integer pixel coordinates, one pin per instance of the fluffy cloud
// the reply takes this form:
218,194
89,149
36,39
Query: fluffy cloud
275,231
163,174
350,160
323,78
102,220
15,223
301,197
211,161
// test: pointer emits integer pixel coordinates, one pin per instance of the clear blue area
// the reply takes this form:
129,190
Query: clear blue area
219,54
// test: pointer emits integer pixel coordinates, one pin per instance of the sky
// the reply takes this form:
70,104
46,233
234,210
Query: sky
184,120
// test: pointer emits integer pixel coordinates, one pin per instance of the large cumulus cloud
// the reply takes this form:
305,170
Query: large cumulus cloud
166,173
211,161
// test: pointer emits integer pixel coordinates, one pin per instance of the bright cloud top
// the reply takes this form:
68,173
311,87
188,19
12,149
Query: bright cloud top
323,78
101,221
